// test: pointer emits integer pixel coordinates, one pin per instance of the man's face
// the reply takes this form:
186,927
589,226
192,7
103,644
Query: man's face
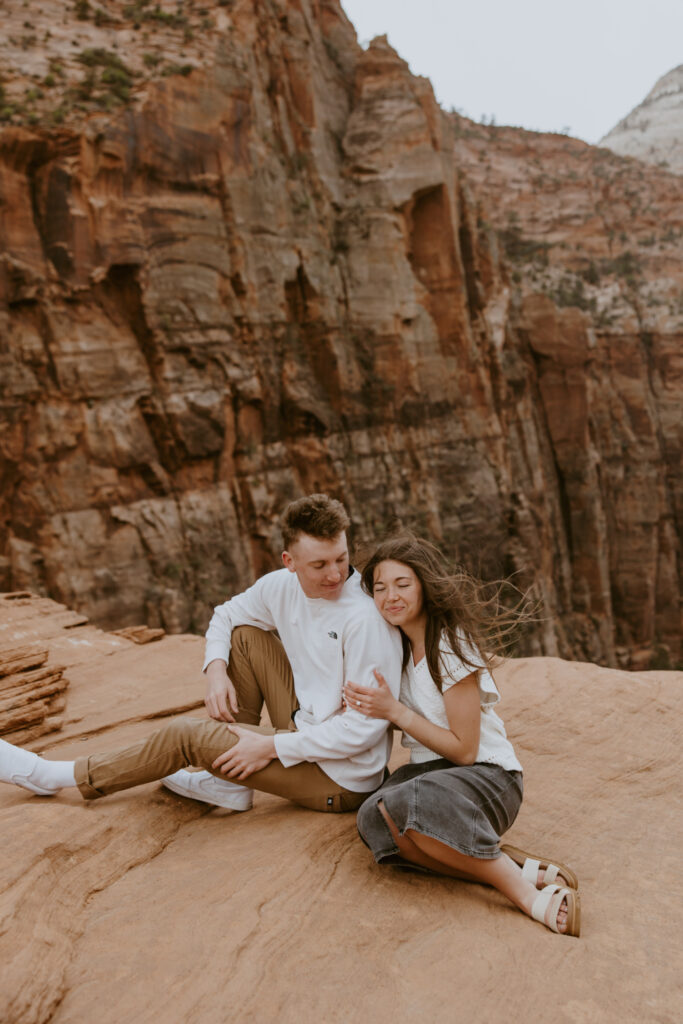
321,566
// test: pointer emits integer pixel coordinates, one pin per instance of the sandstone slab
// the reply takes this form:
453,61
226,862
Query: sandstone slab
144,906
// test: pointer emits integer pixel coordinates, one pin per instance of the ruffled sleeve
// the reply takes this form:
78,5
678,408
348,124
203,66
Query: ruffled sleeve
455,669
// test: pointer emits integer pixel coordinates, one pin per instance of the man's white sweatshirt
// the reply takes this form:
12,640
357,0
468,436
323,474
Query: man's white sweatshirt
327,643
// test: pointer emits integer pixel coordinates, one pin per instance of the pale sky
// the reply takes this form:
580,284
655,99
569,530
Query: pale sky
539,64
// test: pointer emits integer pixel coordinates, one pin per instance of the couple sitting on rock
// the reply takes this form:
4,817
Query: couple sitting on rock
401,644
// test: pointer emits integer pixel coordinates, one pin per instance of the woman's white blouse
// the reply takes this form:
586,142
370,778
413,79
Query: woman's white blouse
420,693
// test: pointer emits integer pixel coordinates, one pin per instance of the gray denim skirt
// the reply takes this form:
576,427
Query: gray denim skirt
467,807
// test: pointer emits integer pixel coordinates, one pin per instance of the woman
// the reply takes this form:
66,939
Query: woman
446,810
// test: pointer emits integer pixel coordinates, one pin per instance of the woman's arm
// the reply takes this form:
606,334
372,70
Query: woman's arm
459,743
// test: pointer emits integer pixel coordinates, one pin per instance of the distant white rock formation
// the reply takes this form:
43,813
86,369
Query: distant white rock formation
653,131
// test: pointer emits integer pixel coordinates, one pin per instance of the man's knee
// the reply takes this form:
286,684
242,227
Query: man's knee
182,730
244,636
181,733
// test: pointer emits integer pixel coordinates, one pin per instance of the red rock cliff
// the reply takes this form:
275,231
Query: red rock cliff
269,276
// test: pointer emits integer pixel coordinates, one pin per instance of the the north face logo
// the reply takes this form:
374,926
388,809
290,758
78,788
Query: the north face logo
332,634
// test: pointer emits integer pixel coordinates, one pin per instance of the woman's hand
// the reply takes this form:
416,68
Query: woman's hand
374,702
251,753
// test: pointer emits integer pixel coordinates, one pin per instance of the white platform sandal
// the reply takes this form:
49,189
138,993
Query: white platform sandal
550,898
531,865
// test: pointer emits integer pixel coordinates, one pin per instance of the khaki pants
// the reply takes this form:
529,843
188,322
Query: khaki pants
260,672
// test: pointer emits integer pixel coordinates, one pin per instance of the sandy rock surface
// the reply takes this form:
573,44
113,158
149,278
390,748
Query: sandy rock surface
146,907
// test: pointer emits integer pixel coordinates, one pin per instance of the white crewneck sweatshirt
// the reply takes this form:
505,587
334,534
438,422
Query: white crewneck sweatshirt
327,643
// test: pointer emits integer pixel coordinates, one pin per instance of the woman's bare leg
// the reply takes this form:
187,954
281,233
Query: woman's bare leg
500,872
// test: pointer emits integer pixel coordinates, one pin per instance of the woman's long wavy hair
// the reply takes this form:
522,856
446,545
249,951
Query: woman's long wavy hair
458,606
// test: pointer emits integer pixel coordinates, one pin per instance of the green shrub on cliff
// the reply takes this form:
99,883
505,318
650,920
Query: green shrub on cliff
178,69
520,249
570,291
140,11
107,78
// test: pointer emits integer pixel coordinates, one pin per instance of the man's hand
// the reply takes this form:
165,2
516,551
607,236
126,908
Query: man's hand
253,752
221,699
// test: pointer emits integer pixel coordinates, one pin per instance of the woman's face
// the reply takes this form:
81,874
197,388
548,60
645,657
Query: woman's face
397,592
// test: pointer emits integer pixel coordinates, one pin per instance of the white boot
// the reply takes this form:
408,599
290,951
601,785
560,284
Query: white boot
206,787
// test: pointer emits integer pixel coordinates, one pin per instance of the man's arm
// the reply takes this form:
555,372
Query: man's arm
251,608
369,644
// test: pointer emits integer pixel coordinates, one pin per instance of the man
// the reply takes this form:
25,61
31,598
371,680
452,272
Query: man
329,632
316,753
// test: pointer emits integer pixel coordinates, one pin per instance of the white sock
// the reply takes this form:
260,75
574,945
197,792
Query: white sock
53,774
24,768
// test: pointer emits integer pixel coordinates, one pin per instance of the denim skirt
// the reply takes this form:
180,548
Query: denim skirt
467,807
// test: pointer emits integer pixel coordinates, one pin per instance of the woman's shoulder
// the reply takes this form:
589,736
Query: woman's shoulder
457,666
468,654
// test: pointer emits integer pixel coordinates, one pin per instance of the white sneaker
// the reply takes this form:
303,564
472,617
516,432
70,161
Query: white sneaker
206,787
16,765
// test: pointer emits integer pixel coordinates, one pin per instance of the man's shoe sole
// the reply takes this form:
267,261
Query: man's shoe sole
191,794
